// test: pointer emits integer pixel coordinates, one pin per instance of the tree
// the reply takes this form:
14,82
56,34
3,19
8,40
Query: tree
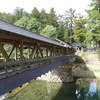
43,18
35,14
67,36
93,25
18,12
62,29
79,29
7,17
70,15
52,18
49,31
22,22
96,4
34,25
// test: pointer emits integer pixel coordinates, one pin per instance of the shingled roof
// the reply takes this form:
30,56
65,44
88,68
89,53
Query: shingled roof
20,31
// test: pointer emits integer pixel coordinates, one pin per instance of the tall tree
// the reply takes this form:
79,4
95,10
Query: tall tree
93,25
43,18
62,29
18,12
70,15
52,18
35,14
79,29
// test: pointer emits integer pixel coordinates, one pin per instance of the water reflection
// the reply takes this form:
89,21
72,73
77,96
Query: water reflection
84,91
41,90
61,91
88,91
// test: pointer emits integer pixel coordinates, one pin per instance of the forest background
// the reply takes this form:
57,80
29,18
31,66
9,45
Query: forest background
69,27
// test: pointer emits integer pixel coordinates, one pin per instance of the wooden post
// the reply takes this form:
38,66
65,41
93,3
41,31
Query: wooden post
29,52
16,53
37,52
21,50
47,50
11,50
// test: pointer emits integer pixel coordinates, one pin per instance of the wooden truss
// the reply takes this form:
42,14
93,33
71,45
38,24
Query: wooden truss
34,48
26,53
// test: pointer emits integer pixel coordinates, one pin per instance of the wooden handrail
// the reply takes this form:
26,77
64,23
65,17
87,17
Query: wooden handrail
14,67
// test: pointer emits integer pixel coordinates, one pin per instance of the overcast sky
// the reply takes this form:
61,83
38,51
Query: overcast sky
60,6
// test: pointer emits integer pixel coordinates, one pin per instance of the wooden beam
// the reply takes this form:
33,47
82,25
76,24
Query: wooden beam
33,51
4,53
11,50
39,48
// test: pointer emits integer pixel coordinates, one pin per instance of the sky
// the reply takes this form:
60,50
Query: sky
60,6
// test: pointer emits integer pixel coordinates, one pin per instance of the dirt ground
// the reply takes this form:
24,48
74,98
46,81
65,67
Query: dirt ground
93,57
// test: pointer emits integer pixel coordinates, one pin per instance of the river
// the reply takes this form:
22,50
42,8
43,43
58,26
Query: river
85,89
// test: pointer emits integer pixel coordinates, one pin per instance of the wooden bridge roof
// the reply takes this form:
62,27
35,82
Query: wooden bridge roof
20,31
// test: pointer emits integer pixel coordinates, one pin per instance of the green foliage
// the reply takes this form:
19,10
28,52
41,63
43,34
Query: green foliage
19,13
43,17
70,18
60,34
67,36
35,14
93,23
49,31
79,30
7,17
8,48
34,25
22,22
52,18
68,28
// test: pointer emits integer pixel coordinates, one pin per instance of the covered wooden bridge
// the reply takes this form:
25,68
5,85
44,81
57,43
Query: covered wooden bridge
25,55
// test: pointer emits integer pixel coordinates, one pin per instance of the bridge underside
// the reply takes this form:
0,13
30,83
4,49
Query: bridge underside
12,82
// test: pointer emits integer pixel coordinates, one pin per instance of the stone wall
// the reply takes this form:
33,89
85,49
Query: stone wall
60,74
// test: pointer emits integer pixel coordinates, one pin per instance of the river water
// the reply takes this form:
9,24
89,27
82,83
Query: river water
87,89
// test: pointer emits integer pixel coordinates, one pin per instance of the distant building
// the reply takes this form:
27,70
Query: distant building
77,46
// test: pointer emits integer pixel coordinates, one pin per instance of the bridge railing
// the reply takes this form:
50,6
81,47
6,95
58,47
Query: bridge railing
15,67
